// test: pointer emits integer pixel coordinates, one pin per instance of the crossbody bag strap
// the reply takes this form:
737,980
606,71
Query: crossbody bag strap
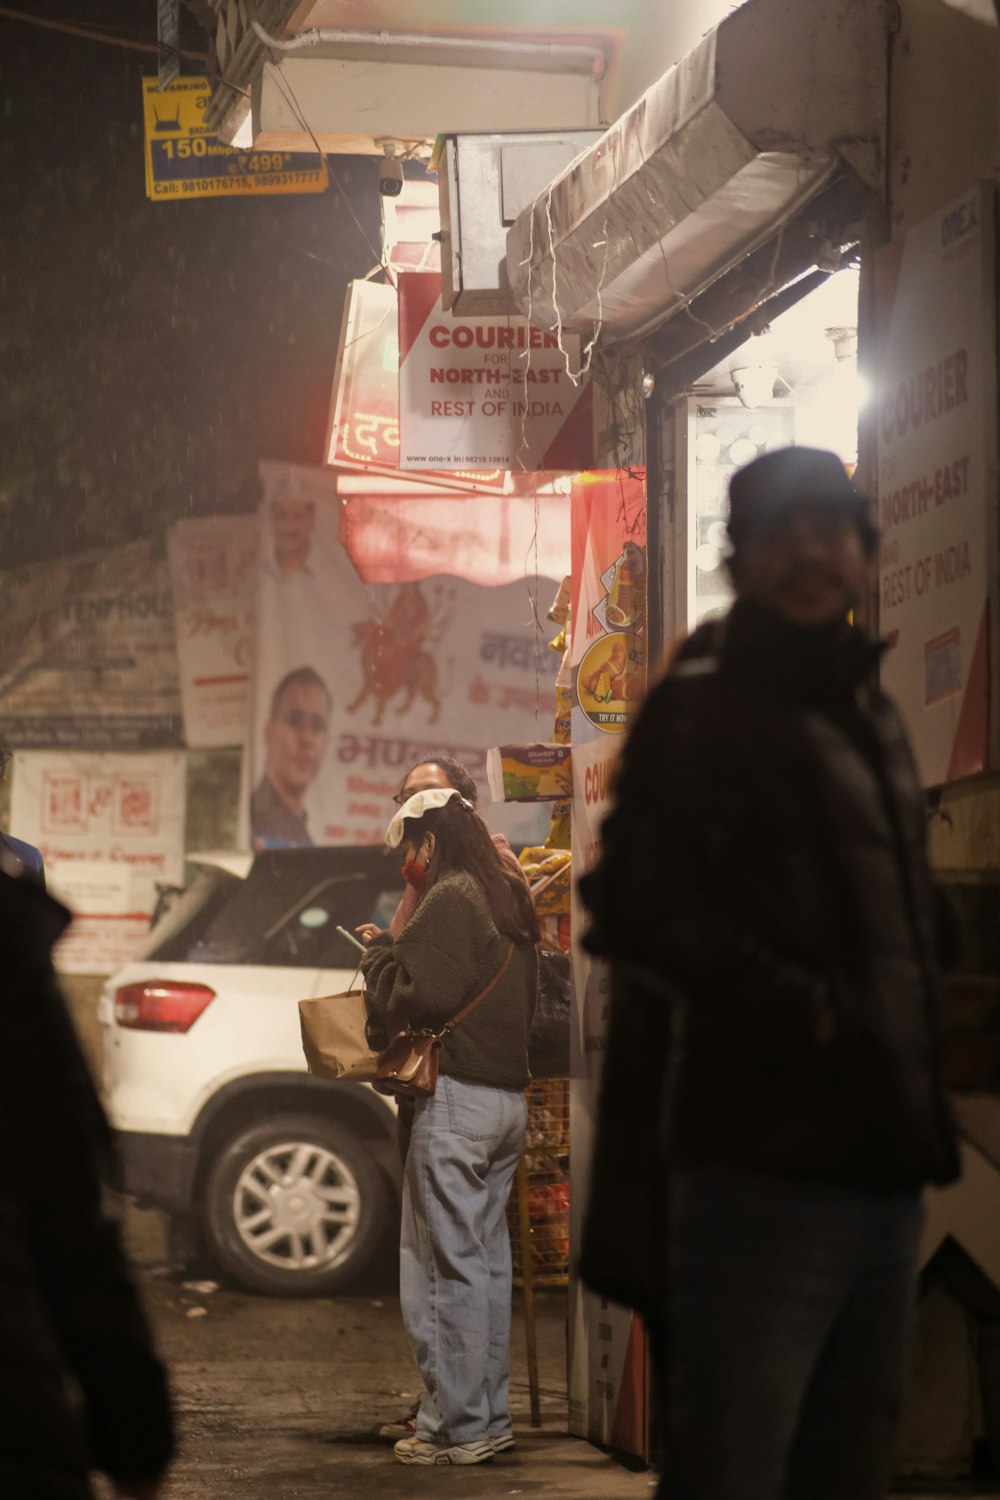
461,1015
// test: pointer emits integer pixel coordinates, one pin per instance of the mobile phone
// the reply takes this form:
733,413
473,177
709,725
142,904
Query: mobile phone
351,938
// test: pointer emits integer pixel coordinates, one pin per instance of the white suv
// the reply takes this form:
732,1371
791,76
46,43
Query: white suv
291,1179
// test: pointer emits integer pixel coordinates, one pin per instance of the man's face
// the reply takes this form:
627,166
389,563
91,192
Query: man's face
809,565
296,738
422,779
292,523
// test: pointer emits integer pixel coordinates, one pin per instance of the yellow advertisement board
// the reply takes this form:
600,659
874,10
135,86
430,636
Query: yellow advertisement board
185,161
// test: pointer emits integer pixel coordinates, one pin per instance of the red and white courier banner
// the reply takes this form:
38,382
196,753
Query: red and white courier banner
937,483
484,392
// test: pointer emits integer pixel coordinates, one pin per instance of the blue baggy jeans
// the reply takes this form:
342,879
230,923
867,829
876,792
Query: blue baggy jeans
454,1256
788,1315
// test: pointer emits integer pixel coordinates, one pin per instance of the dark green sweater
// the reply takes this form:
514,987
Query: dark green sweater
447,952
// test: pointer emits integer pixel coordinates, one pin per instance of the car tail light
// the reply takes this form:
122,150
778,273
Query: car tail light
161,1004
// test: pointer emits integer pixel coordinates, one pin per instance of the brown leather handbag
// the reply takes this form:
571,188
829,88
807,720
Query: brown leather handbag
408,1067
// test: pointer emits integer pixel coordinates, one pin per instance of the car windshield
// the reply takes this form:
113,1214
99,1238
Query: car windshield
286,912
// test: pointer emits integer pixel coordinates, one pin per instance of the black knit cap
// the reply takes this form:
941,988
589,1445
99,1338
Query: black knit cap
762,490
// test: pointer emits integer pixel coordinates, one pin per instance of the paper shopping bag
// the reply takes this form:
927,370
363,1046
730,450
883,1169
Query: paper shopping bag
333,1037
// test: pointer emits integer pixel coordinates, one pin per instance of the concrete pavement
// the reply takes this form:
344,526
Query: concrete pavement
278,1399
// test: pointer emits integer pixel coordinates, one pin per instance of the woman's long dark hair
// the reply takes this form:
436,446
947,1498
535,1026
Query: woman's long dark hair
464,844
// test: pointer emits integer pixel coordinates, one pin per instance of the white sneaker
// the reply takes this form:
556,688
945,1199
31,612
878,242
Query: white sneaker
503,1443
416,1450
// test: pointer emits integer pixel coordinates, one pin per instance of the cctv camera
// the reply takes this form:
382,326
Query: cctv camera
390,177
754,384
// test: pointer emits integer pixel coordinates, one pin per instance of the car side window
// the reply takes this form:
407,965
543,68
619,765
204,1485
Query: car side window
375,906
307,937
384,907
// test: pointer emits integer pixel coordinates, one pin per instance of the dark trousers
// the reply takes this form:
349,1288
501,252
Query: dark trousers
787,1324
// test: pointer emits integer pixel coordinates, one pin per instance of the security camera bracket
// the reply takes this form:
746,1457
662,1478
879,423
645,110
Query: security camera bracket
390,171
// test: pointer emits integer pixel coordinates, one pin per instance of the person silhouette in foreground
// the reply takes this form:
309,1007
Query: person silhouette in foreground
772,1100
81,1387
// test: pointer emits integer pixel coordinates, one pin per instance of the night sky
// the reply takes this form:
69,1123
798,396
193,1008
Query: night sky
151,352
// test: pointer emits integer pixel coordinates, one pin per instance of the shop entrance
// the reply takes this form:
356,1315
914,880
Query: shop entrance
796,382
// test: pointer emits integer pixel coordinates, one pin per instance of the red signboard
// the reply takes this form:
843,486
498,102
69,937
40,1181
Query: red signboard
363,430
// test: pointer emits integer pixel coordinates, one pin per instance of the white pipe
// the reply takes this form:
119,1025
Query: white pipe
578,59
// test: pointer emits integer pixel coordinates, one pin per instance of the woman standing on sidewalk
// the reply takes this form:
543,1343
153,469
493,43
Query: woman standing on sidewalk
455,1271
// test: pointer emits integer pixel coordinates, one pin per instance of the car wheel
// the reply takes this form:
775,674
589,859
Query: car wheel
294,1207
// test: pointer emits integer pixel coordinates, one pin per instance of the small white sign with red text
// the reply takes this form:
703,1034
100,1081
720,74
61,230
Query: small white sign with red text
213,573
110,828
484,392
937,482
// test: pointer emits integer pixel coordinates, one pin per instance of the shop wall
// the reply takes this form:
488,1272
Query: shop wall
213,789
944,112
944,136
619,409
213,799
659,36
663,498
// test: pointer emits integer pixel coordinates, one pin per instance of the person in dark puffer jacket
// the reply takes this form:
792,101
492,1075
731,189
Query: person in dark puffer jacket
69,1314
772,1100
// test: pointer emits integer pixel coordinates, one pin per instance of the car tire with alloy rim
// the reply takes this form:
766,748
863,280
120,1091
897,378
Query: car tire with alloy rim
294,1207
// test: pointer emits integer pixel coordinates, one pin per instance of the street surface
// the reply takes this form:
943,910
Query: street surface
278,1398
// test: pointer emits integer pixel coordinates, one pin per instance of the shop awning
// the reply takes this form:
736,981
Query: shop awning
723,151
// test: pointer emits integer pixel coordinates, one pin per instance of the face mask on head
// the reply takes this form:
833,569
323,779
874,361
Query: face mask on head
415,807
415,873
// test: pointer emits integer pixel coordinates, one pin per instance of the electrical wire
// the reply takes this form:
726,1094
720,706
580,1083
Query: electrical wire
97,36
293,103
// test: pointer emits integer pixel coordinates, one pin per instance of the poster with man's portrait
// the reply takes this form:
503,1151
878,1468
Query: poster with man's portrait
354,683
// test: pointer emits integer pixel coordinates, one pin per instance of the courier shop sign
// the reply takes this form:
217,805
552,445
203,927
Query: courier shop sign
486,392
935,414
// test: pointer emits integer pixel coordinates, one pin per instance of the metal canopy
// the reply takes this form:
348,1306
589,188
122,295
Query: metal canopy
721,152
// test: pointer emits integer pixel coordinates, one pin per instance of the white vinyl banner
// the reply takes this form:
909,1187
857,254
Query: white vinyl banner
87,651
213,572
110,828
485,392
354,683
937,483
